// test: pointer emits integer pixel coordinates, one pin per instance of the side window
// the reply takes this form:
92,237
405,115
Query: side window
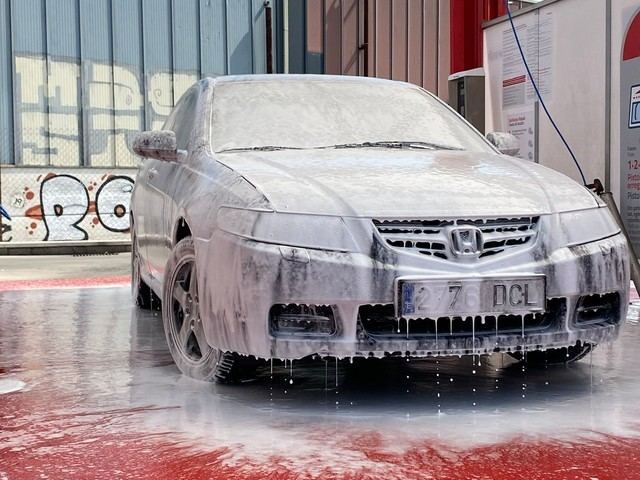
171,119
184,118
181,119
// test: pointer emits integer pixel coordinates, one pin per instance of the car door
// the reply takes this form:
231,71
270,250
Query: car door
160,180
141,207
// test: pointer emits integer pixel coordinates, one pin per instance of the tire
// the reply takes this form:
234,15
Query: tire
142,294
555,356
184,328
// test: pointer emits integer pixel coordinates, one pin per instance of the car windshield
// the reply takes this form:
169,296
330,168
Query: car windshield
302,114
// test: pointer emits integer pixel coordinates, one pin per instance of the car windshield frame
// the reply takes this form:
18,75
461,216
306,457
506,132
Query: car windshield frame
262,135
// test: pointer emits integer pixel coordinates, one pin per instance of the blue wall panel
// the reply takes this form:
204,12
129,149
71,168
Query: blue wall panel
6,81
79,77
213,37
297,37
186,36
29,42
239,36
259,34
96,46
95,30
157,35
63,42
127,32
158,60
186,45
64,90
128,85
28,26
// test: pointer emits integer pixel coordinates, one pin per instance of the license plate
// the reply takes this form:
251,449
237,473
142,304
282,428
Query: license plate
433,298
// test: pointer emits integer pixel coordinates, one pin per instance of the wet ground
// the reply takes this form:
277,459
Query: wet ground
88,390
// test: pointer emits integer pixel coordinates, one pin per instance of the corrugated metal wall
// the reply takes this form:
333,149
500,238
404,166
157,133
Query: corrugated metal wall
407,39
78,76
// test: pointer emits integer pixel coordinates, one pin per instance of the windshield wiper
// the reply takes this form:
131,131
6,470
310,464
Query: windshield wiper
383,144
264,148
398,144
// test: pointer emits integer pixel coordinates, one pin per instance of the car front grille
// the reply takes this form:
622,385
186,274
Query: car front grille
433,237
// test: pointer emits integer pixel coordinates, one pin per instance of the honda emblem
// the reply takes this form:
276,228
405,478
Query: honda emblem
466,241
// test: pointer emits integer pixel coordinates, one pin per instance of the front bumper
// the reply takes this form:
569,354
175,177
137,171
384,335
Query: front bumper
241,280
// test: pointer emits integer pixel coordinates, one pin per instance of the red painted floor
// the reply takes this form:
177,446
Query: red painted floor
102,400
85,447
130,456
39,284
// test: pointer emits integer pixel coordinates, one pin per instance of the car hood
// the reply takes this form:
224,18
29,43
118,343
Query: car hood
406,183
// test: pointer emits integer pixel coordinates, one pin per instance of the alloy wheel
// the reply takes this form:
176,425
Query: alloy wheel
185,323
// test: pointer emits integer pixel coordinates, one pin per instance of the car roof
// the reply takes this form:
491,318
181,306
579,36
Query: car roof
307,78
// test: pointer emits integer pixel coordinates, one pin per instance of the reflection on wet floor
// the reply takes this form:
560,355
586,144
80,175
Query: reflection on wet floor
84,354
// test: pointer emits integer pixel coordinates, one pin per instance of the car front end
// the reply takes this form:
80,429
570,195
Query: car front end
295,285
396,229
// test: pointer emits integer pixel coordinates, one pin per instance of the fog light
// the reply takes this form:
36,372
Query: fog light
302,320
598,308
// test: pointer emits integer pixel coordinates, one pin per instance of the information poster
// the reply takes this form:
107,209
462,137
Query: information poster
630,126
514,73
536,39
521,124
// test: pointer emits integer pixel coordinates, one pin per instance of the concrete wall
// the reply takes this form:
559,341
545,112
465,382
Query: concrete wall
54,205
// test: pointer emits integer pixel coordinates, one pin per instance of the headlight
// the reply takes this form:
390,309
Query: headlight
584,226
294,229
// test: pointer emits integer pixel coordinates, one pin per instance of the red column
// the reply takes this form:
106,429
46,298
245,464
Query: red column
466,30
494,9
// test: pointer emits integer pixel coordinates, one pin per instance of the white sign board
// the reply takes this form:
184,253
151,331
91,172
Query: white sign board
536,39
521,124
630,126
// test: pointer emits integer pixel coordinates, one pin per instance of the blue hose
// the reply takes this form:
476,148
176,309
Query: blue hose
4,213
535,87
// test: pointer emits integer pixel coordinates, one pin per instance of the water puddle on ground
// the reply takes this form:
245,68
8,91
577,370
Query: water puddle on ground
10,385
88,364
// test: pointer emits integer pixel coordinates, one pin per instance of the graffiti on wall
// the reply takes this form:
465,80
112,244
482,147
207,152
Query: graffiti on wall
73,115
66,205
5,220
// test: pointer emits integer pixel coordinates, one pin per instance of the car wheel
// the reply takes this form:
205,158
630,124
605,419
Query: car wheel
140,291
184,328
555,356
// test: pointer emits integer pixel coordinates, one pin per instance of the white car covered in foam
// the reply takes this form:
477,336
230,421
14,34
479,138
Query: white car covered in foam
286,216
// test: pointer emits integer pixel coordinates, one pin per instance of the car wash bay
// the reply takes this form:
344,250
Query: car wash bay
88,390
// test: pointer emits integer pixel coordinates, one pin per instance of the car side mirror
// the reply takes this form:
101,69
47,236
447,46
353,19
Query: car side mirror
506,143
158,144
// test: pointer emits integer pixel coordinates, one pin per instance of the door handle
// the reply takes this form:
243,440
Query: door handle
152,172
